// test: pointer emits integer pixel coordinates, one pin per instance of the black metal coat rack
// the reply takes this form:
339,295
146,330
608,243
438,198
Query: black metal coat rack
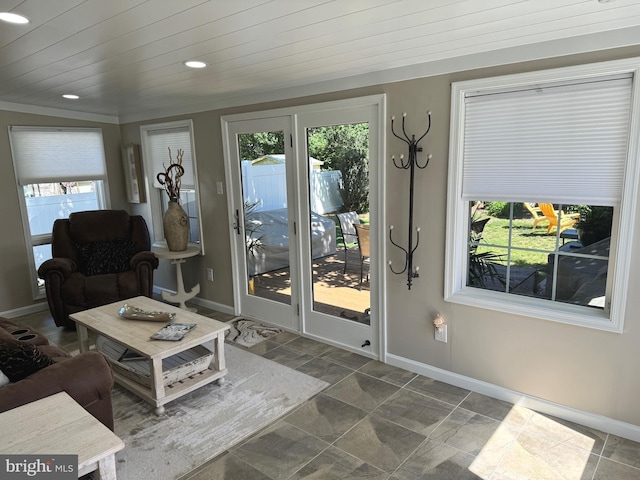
410,164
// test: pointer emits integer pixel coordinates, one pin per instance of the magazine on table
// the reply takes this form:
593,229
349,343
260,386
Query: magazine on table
173,331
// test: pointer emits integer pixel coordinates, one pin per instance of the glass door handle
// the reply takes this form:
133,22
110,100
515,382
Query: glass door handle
236,223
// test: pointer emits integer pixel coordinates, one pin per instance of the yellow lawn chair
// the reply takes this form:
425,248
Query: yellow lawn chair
567,220
534,211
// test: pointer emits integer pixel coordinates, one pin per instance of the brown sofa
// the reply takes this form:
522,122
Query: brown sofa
99,257
87,377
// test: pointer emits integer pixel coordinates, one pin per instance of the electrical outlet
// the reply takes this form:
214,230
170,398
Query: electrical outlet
210,274
441,334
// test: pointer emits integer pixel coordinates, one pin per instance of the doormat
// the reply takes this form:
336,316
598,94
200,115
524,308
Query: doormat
247,333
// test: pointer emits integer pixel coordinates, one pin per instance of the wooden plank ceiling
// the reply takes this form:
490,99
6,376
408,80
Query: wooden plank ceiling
124,58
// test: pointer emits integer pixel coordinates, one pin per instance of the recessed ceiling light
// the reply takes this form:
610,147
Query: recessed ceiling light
195,64
13,18
70,96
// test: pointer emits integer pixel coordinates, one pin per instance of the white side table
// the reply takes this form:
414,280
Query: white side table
178,258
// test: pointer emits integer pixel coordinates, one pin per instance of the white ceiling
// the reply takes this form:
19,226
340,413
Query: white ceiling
124,58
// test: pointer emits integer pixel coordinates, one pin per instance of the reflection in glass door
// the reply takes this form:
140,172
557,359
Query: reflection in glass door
338,167
265,214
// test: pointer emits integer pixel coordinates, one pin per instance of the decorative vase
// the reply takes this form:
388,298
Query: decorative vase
176,226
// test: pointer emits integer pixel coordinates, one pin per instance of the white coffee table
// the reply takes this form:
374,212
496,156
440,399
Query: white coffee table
57,425
135,334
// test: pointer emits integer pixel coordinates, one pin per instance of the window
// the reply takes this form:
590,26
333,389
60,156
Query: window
542,192
58,171
517,248
157,141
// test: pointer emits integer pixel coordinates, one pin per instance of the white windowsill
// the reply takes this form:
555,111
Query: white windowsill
536,308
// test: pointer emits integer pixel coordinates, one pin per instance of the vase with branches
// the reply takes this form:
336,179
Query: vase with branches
175,220
171,178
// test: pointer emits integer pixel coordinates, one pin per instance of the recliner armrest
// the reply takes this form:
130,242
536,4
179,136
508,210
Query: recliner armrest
144,257
65,266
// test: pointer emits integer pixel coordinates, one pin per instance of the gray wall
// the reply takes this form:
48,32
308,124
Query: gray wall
589,370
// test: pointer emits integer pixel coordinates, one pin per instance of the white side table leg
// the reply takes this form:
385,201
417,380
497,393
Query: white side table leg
180,296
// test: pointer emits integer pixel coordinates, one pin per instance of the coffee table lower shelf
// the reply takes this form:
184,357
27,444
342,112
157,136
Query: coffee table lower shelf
179,374
173,391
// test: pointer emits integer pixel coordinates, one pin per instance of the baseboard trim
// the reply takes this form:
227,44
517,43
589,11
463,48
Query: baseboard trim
27,310
220,307
599,422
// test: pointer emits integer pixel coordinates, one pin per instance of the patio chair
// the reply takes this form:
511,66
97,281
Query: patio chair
362,231
348,221
567,220
534,210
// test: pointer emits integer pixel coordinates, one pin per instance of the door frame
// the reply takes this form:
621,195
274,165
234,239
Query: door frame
376,183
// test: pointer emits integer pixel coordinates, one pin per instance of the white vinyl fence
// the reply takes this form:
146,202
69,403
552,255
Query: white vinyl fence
266,185
44,210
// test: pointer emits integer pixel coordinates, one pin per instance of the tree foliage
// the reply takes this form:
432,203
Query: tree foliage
256,145
345,148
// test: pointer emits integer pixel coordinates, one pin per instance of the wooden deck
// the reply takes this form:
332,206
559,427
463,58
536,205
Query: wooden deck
335,293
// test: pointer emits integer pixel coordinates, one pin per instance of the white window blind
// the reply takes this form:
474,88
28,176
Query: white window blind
560,143
47,155
159,143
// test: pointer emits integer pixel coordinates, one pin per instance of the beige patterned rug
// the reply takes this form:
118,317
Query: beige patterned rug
208,421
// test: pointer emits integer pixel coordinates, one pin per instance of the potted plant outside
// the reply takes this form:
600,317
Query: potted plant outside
595,223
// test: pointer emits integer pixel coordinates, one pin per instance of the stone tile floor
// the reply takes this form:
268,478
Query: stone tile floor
379,422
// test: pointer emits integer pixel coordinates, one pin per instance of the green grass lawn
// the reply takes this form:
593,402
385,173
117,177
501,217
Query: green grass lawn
495,238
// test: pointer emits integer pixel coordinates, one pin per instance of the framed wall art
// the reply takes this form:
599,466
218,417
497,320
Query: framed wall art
132,165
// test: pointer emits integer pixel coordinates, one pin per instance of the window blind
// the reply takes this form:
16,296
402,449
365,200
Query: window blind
560,143
159,143
48,155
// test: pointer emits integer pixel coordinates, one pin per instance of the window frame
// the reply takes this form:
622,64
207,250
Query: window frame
155,194
37,240
456,254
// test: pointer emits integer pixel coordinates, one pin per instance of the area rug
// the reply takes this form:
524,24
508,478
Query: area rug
208,421
247,333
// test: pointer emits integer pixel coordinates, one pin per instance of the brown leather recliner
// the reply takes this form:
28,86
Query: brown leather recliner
99,257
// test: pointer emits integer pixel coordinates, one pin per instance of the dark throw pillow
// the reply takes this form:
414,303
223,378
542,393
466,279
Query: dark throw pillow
98,258
19,360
